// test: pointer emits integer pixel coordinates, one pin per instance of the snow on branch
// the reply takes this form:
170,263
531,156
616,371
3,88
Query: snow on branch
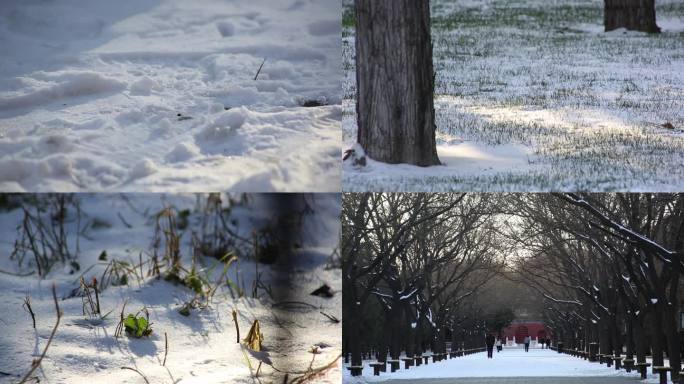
579,202
560,301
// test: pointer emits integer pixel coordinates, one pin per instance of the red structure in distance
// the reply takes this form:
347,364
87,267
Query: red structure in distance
519,330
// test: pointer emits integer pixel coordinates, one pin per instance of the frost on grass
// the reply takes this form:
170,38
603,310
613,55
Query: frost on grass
164,282
127,85
537,97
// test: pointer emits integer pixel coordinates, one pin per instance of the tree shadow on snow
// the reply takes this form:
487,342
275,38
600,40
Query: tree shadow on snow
62,30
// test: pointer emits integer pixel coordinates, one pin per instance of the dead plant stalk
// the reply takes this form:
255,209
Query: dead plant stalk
166,348
36,363
27,306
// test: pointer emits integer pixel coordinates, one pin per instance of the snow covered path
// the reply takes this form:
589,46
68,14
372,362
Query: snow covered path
523,380
511,366
160,95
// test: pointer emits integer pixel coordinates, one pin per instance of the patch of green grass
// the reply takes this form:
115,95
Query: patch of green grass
348,17
138,326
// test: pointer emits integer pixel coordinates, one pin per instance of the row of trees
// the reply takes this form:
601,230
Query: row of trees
395,78
412,264
423,269
608,266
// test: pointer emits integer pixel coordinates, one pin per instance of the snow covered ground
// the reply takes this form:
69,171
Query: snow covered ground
202,347
534,96
160,95
511,362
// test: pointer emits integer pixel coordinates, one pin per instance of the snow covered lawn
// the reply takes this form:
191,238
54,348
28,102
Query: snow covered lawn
202,343
511,362
532,95
160,95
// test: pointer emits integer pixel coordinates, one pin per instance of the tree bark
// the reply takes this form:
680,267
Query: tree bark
410,331
657,336
394,321
636,15
672,336
629,339
640,339
355,340
395,83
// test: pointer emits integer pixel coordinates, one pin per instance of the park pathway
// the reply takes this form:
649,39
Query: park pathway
511,366
522,380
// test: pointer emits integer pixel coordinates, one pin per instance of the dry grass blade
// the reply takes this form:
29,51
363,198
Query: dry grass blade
259,70
36,363
294,305
166,348
312,374
91,307
138,372
17,274
27,306
120,327
237,327
124,220
331,317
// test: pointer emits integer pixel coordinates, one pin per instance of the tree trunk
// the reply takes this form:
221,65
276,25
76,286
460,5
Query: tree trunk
587,334
440,340
410,341
395,84
640,339
418,337
616,340
355,340
657,337
672,336
604,336
629,339
394,321
384,345
353,323
410,330
636,15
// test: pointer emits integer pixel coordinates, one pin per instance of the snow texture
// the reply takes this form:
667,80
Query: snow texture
134,95
534,96
202,346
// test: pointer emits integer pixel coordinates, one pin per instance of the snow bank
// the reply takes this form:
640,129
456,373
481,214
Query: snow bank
59,86
224,125
144,168
182,152
144,86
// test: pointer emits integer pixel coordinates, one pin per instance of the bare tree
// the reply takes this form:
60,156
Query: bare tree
420,256
612,261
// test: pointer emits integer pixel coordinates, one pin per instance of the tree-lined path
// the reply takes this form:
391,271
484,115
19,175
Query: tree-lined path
520,380
427,277
512,366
